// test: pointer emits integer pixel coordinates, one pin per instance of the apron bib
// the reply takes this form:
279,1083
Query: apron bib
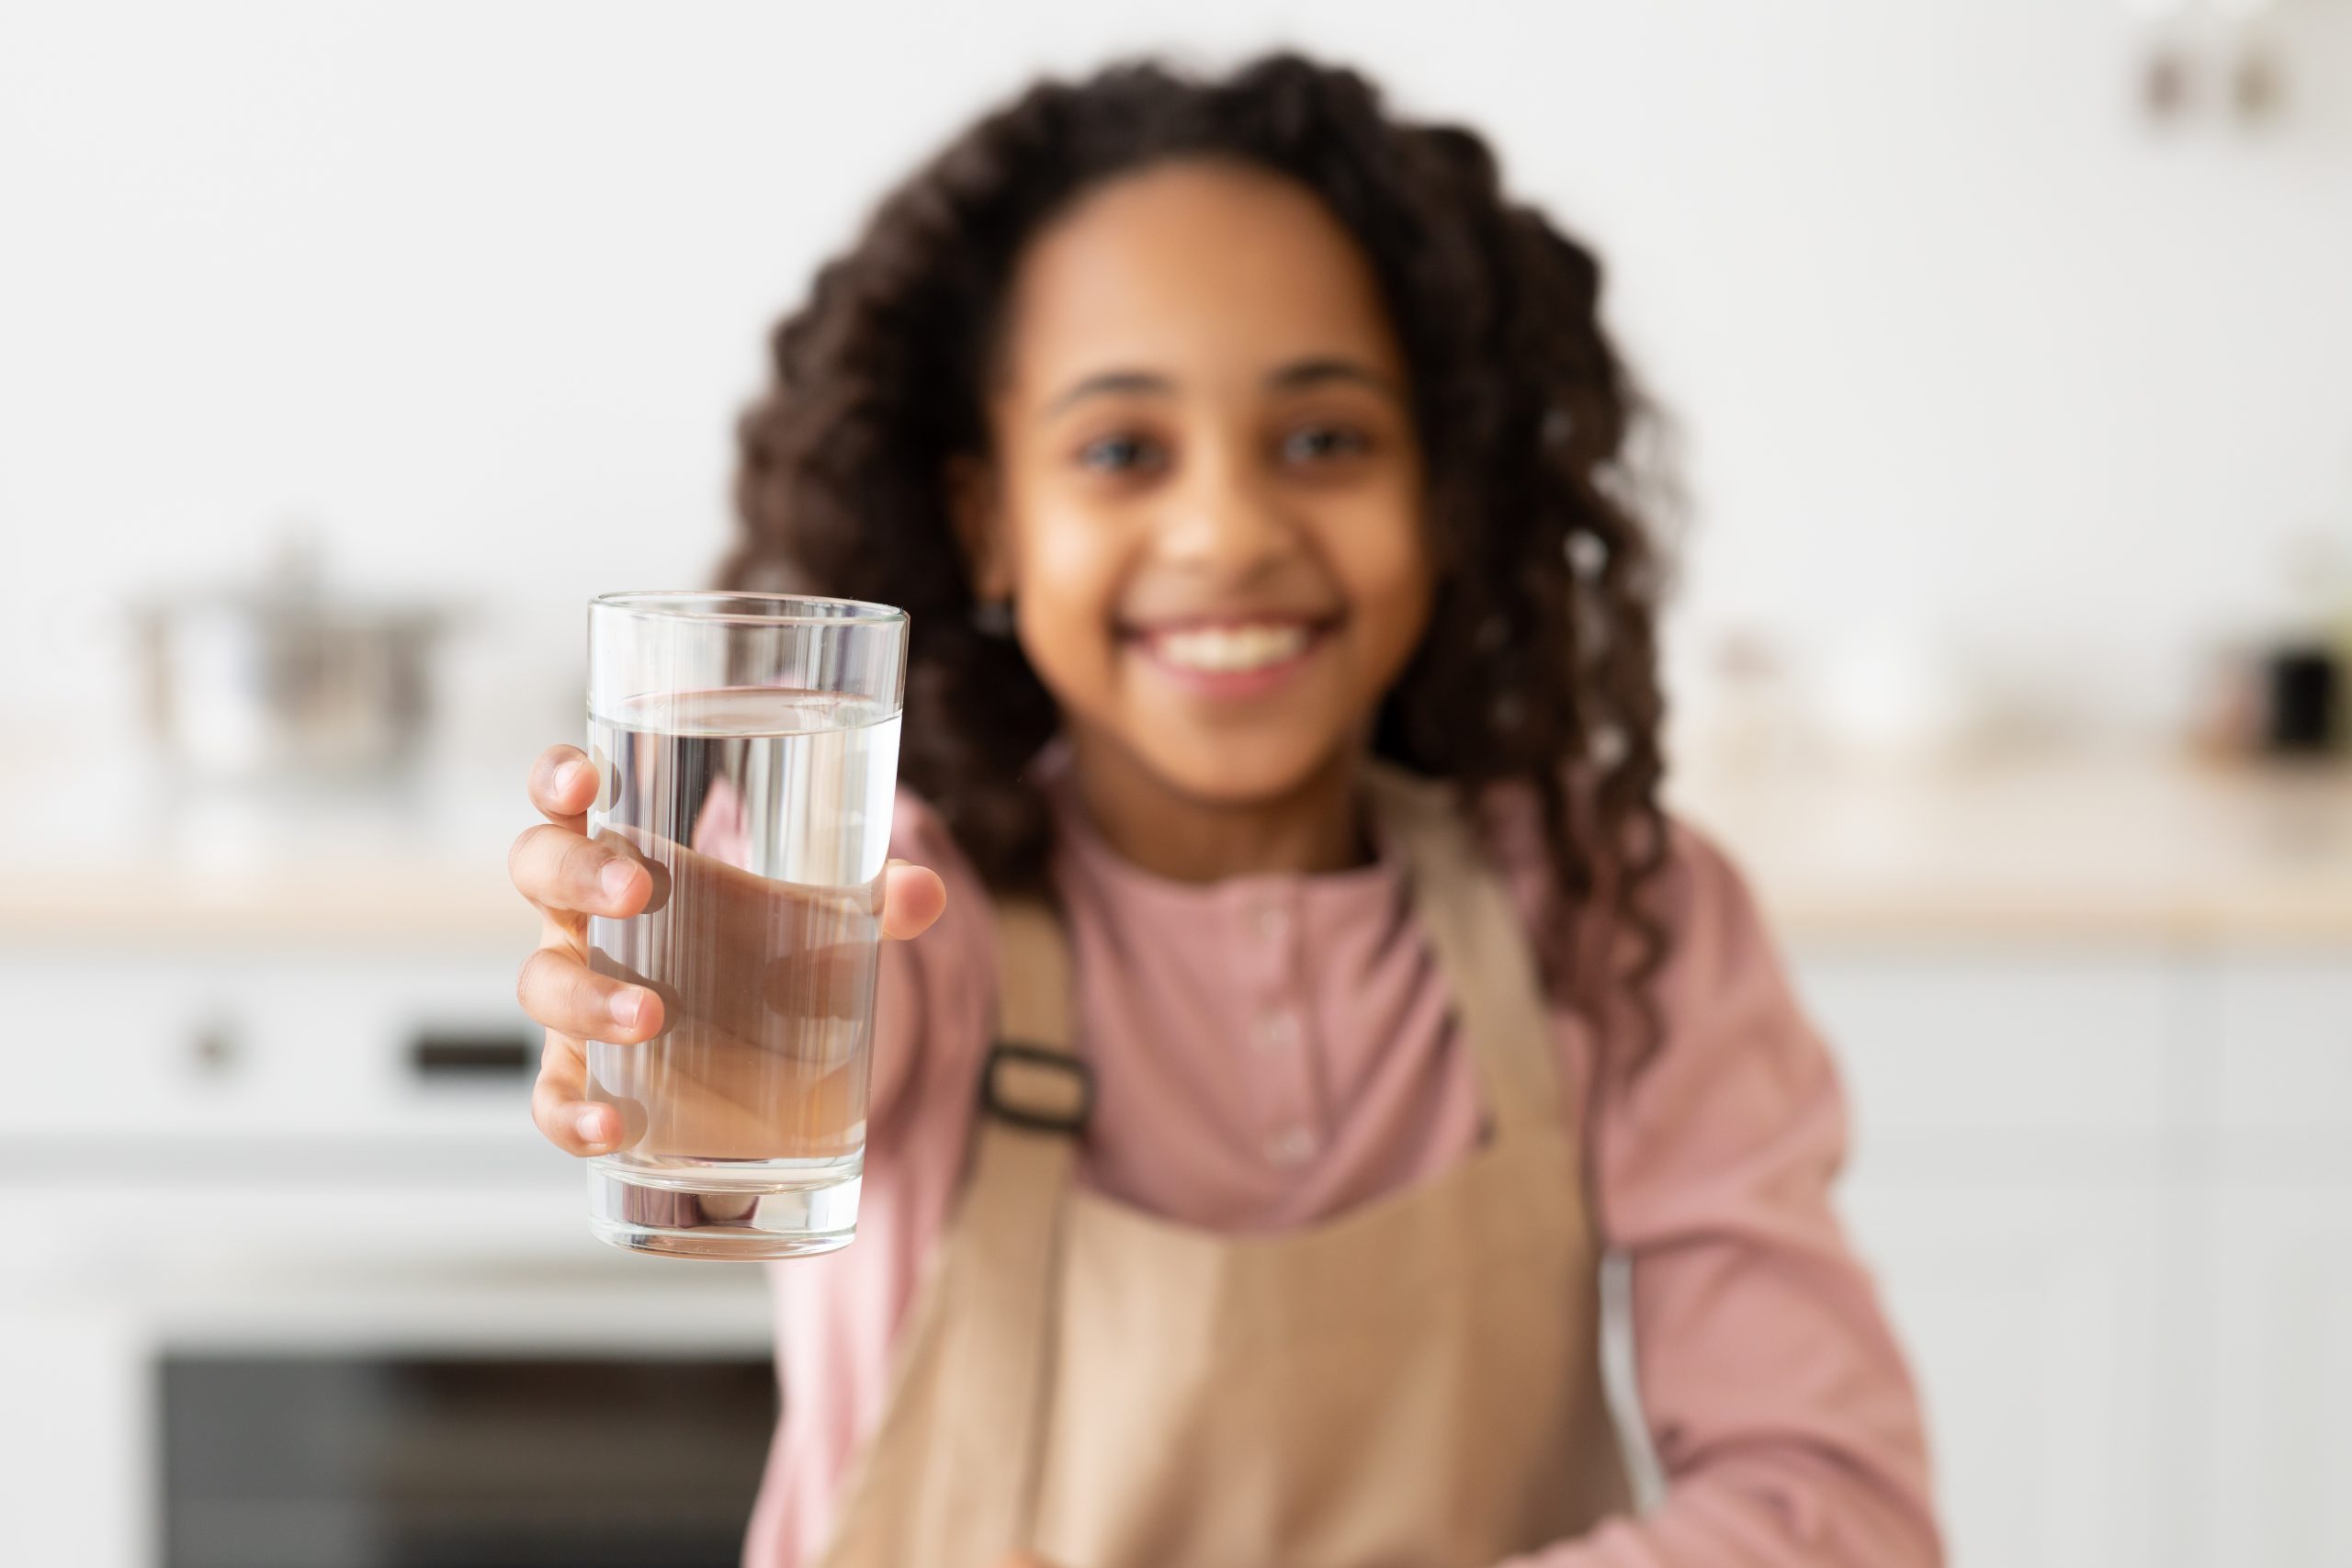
1413,1384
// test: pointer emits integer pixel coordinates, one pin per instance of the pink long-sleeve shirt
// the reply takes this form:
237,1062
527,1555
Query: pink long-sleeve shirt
1271,1050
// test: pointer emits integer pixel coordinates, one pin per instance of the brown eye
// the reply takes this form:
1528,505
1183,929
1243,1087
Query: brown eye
1119,453
1322,444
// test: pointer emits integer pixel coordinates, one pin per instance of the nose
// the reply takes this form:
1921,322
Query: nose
1224,520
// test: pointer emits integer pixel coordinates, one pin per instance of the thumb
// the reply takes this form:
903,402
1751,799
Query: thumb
913,898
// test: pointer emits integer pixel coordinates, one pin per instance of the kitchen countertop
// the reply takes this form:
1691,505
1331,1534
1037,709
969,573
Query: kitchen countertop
2035,847
121,853
2084,846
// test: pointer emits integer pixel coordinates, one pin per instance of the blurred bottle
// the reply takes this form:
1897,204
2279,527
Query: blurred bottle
2304,676
2282,693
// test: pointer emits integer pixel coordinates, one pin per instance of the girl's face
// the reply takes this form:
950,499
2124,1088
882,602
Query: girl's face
1205,498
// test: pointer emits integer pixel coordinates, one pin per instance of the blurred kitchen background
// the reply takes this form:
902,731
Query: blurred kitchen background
2010,347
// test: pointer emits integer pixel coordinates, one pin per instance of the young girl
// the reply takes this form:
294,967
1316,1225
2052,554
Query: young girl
1259,478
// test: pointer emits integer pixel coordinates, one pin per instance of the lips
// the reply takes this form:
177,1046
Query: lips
1241,657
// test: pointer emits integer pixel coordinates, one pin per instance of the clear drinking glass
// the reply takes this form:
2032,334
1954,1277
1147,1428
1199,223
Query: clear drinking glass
747,751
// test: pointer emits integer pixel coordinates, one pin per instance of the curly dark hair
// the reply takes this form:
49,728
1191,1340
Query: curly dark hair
1540,666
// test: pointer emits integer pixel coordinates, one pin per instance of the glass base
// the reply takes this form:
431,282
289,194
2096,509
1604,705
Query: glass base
721,1209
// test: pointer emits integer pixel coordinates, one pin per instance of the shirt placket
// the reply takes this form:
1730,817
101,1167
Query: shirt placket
1290,1124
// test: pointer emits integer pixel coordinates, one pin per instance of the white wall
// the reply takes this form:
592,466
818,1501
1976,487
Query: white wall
1961,346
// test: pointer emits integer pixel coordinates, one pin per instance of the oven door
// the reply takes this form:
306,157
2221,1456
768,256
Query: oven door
356,1460
358,1356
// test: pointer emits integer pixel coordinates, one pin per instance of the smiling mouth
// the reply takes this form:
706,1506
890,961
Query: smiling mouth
1235,656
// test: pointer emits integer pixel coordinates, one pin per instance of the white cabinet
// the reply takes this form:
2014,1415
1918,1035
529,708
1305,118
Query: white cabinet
150,1050
77,1450
2282,1067
2281,1288
2030,1052
2109,1196
2030,1315
2010,1113
2281,1375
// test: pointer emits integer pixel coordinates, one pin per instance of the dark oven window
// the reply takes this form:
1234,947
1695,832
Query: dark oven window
341,1462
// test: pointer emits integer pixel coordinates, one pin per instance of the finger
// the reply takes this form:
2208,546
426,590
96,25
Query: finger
723,1097
572,1123
563,785
821,980
560,992
557,869
651,851
913,898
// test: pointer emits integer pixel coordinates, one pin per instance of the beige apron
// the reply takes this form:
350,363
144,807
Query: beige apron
1414,1384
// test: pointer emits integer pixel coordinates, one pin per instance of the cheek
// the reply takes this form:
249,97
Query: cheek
1385,570
1067,574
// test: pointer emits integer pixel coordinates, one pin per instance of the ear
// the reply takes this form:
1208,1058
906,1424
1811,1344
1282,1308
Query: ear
975,508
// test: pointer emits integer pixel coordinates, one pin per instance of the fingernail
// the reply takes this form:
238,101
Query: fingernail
590,1128
626,1006
567,775
615,878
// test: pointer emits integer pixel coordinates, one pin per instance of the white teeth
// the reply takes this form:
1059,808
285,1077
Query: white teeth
1226,649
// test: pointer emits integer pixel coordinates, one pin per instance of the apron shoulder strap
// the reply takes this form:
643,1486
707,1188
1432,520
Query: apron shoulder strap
1481,946
1033,1078
1004,1249
1033,975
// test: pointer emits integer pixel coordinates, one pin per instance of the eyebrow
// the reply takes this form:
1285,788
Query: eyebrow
1297,374
1111,381
1313,372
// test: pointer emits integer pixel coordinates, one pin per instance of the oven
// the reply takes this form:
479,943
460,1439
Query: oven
293,1283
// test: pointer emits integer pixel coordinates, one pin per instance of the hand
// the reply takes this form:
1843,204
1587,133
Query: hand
571,877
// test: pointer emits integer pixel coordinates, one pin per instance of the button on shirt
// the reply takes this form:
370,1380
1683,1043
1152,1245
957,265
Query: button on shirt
1272,1050
1291,1076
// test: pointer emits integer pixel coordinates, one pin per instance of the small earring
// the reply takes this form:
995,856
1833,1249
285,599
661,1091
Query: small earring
993,617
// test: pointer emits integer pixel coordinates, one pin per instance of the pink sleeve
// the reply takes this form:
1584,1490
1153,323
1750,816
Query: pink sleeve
949,970
1776,1395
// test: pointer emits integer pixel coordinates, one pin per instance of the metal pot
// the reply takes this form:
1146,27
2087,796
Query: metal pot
284,681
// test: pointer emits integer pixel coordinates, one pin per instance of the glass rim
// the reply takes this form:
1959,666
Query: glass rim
637,603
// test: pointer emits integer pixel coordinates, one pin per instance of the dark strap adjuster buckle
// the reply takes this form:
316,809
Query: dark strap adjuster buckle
1035,1103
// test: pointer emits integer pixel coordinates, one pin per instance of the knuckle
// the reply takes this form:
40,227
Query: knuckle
544,1118
539,976
529,862
560,1070
583,859
557,1084
580,992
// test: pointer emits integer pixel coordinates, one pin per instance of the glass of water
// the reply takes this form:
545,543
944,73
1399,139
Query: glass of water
746,752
